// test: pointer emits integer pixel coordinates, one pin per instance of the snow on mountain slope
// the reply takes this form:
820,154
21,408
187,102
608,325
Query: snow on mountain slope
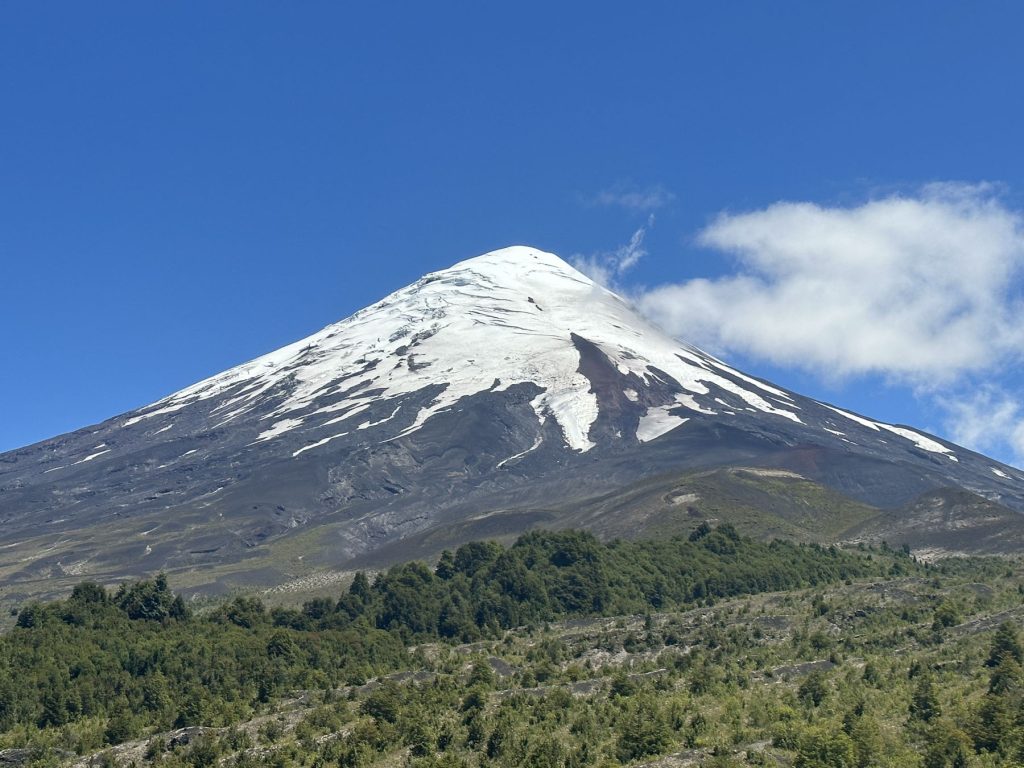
482,398
485,324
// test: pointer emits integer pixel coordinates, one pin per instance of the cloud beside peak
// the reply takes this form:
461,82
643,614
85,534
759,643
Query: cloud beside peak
988,419
607,267
916,288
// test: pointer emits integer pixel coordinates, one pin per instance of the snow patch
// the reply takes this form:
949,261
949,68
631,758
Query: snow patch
687,401
921,441
92,456
750,380
853,417
278,428
368,424
536,444
575,409
657,421
318,444
348,414
166,409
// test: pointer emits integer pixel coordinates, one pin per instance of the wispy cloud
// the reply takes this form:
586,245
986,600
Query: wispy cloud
917,288
634,198
607,267
989,420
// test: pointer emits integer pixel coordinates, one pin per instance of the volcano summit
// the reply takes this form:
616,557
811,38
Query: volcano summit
506,392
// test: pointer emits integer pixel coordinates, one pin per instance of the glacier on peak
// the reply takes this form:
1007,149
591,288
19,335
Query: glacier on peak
507,317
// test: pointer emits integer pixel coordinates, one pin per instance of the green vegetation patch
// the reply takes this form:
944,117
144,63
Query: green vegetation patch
557,650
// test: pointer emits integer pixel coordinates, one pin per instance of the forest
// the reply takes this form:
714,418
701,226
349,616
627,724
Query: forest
558,650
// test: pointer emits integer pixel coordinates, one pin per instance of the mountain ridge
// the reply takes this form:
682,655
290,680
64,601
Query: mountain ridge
509,381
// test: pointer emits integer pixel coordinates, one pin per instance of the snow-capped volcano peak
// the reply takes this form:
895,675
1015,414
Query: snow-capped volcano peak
513,263
486,396
511,316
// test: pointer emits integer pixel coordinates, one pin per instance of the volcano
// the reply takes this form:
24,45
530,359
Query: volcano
507,392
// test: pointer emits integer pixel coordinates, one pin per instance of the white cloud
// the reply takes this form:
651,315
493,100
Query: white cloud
990,421
605,268
917,288
922,289
630,198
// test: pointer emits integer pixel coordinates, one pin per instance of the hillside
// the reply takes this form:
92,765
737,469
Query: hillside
867,658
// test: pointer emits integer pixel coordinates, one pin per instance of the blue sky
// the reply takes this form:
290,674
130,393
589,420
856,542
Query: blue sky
186,186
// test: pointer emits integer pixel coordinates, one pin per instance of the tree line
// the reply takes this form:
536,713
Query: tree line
122,661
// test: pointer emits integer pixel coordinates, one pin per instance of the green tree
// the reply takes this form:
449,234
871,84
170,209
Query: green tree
814,688
868,744
385,703
924,702
645,731
824,748
946,746
360,588
1005,644
147,600
946,615
445,568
